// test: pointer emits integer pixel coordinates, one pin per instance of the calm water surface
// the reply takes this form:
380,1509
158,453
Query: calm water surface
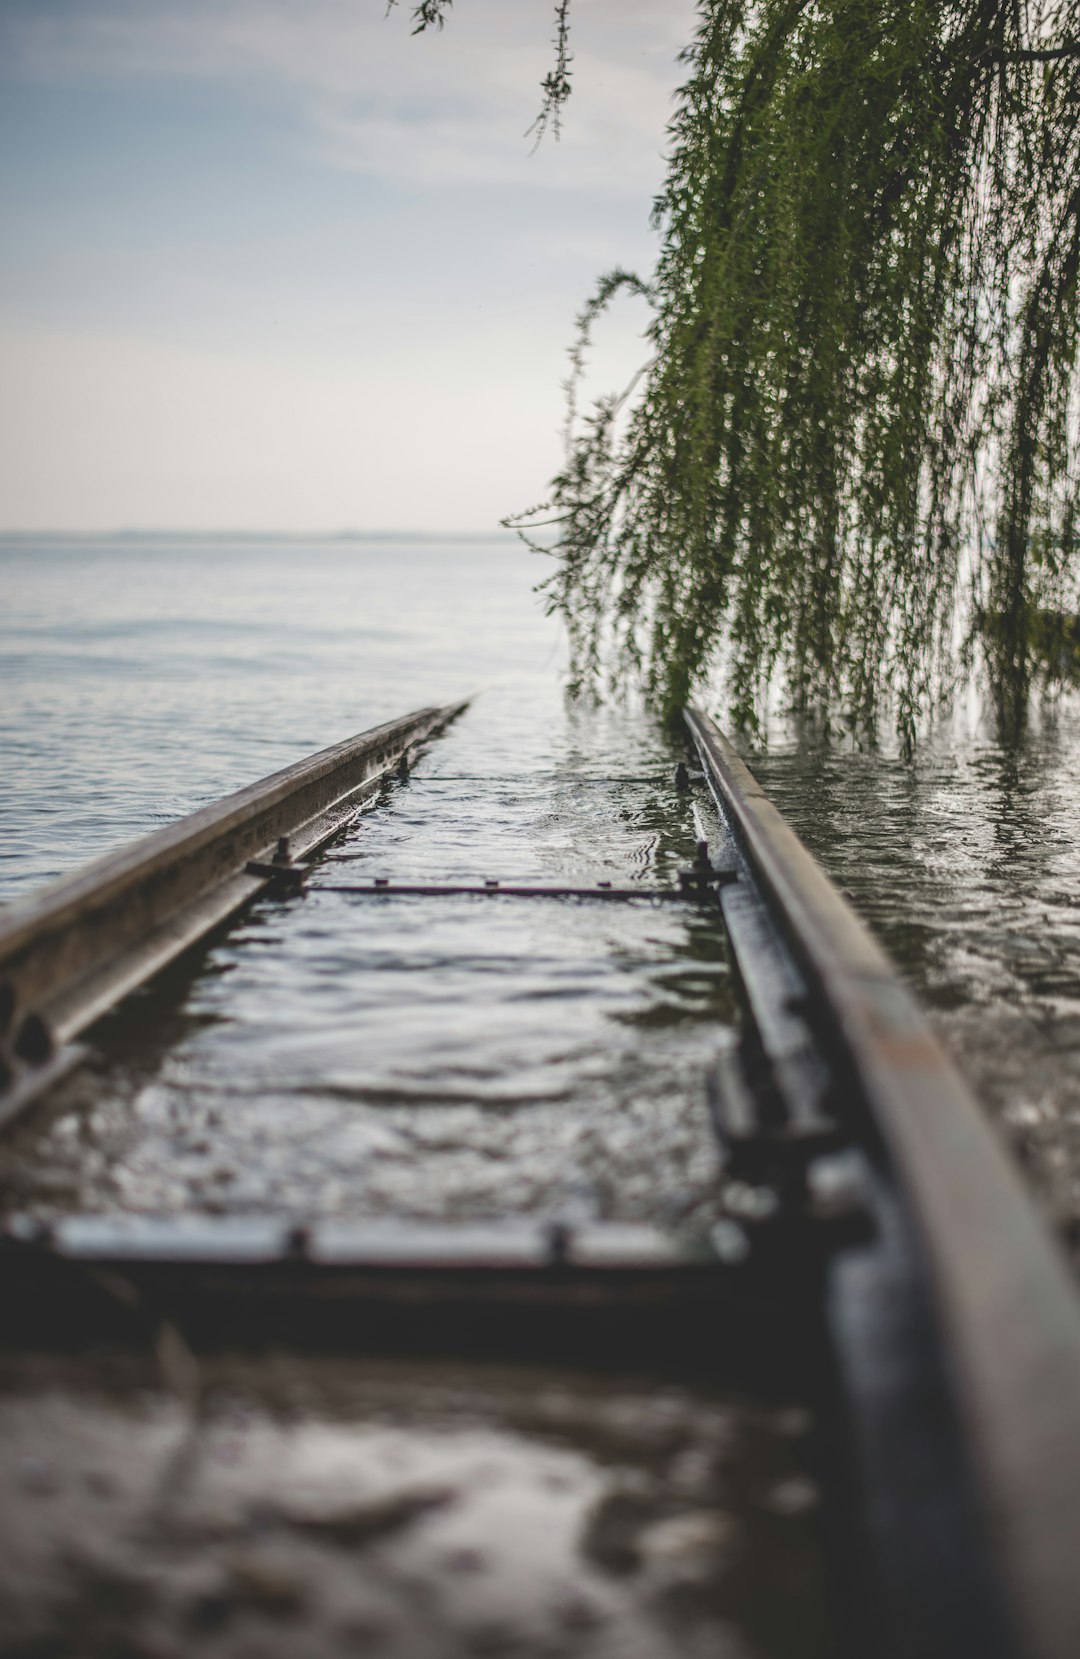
355,1056
454,1057
140,680
967,864
342,1055
547,1055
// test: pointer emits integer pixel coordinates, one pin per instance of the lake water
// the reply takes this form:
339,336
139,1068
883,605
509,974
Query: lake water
545,1056
966,862
451,1057
141,679
428,1057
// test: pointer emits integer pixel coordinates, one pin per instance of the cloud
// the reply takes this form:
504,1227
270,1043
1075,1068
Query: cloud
200,334
449,106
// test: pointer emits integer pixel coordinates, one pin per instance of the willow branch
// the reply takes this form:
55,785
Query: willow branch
1042,54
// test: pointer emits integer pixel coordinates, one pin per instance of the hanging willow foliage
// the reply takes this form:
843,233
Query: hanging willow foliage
850,466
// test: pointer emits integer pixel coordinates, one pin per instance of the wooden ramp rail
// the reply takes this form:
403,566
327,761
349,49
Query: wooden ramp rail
70,951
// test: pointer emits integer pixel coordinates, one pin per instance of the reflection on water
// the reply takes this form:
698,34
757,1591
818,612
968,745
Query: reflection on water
426,1055
966,861
453,1057
334,1054
140,679
348,1055
403,1512
430,1056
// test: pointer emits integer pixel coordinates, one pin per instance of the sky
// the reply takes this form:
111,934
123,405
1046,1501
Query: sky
286,267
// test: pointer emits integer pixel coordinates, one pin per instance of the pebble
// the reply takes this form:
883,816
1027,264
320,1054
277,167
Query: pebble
613,1527
493,1641
691,1471
364,1633
360,1523
577,1612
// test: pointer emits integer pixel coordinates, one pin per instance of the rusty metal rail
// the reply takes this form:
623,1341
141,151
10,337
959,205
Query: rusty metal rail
871,1221
500,889
596,1293
73,949
956,1326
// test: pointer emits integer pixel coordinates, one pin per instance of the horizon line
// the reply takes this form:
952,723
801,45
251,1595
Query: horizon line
149,534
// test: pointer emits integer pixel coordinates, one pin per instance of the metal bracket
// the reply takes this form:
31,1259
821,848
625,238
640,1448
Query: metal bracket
759,1224
699,882
281,872
684,776
31,1063
536,1244
702,876
789,1184
754,1132
495,887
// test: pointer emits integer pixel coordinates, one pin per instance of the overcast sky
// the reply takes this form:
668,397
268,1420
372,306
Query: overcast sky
278,265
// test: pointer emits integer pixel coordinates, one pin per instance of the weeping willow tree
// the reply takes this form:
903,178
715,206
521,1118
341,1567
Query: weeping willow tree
849,467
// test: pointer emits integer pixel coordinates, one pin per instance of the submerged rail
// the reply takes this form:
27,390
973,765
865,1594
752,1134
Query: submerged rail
73,949
871,1221
961,1314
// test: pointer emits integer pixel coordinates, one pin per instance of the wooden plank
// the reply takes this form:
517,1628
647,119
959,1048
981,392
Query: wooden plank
1006,1301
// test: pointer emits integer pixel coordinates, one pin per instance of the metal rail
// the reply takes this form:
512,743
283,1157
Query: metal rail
596,1293
73,949
499,889
873,1222
976,1445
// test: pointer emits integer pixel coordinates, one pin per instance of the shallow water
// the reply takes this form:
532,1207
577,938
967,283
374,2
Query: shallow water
461,1057
427,1056
337,1054
401,1511
546,1055
966,862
